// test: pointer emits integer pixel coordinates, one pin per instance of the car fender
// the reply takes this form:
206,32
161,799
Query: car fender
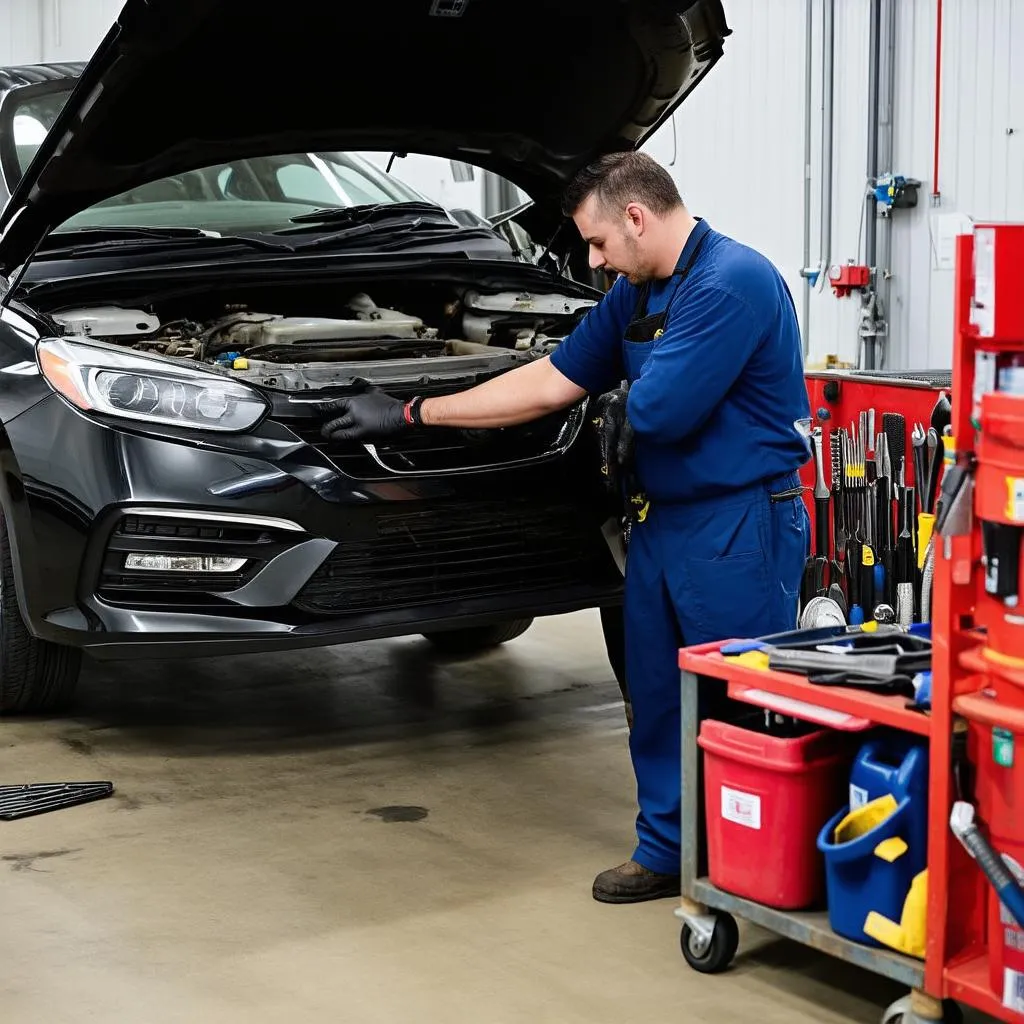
20,538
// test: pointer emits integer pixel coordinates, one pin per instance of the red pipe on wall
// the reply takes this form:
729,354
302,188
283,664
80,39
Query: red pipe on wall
938,87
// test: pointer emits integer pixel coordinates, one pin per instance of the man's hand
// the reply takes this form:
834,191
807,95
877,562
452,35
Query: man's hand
370,416
615,438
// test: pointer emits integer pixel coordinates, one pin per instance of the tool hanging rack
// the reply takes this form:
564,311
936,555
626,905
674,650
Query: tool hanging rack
872,525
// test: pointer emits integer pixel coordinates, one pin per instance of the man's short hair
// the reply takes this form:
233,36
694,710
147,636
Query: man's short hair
619,179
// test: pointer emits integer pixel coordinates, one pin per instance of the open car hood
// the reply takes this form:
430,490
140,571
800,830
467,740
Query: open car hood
531,89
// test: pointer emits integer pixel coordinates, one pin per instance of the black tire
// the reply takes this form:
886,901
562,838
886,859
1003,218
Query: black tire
35,676
478,638
725,940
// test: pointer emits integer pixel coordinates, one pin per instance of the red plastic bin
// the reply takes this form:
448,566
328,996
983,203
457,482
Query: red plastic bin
768,790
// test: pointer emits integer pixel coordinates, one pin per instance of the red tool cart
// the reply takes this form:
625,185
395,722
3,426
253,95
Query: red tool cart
913,876
975,943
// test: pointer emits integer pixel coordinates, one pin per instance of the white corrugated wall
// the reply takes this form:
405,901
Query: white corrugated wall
740,151
53,30
738,145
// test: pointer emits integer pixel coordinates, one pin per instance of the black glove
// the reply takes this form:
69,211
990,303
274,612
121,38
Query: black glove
615,439
371,415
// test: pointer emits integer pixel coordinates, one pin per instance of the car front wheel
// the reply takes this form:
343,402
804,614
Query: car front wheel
478,638
35,675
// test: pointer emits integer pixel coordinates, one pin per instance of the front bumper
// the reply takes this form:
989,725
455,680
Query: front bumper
328,556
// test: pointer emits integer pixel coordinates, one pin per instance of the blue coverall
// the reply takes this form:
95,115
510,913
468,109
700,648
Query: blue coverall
719,408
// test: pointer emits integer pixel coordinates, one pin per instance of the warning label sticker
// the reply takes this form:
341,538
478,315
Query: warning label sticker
741,808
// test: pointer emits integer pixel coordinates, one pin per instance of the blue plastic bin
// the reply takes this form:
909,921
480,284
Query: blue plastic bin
870,862
893,762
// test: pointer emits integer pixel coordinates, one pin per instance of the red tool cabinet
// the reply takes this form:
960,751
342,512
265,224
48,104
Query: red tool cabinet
978,662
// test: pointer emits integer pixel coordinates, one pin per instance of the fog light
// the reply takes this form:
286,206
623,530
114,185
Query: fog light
183,563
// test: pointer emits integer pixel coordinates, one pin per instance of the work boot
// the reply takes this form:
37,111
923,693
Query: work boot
633,883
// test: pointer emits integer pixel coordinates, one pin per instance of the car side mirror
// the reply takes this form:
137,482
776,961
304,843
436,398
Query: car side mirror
462,171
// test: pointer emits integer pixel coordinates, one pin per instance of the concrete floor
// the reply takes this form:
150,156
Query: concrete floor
365,834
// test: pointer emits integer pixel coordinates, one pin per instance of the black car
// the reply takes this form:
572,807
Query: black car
193,261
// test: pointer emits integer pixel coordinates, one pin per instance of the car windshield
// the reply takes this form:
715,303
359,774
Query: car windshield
260,194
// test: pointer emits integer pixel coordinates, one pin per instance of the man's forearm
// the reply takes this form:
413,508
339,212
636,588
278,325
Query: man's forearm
518,396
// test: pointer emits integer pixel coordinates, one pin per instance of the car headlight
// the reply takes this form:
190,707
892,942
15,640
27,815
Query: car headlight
137,387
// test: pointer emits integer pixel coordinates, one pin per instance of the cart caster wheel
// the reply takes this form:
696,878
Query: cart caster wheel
710,956
901,1013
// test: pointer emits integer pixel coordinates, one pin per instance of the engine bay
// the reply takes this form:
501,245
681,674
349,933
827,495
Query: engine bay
304,338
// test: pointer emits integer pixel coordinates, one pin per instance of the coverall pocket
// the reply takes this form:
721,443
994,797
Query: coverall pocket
725,598
719,572
790,545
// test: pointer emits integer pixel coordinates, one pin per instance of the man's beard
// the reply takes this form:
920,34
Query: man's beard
639,277
637,274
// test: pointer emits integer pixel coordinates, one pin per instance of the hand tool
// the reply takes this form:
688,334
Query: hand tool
821,499
926,518
789,636
918,437
884,529
894,426
867,436
936,456
867,577
905,603
961,823
942,413
870,665
836,569
907,550
905,561
813,582
890,638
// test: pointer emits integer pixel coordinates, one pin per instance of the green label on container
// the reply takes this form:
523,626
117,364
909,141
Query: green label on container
1002,748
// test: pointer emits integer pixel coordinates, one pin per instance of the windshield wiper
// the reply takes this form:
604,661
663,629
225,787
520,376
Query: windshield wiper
84,240
397,235
365,214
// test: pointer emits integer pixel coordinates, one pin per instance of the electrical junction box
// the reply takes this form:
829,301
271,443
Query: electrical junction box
847,277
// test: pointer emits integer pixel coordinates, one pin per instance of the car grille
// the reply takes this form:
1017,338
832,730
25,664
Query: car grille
439,449
459,551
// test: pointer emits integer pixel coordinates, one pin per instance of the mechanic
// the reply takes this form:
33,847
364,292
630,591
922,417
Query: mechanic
714,423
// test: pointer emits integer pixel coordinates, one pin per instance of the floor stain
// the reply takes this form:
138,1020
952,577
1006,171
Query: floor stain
78,745
26,861
399,813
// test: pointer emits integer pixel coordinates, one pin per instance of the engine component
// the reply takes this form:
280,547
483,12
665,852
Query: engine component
513,319
525,302
107,322
354,331
248,331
